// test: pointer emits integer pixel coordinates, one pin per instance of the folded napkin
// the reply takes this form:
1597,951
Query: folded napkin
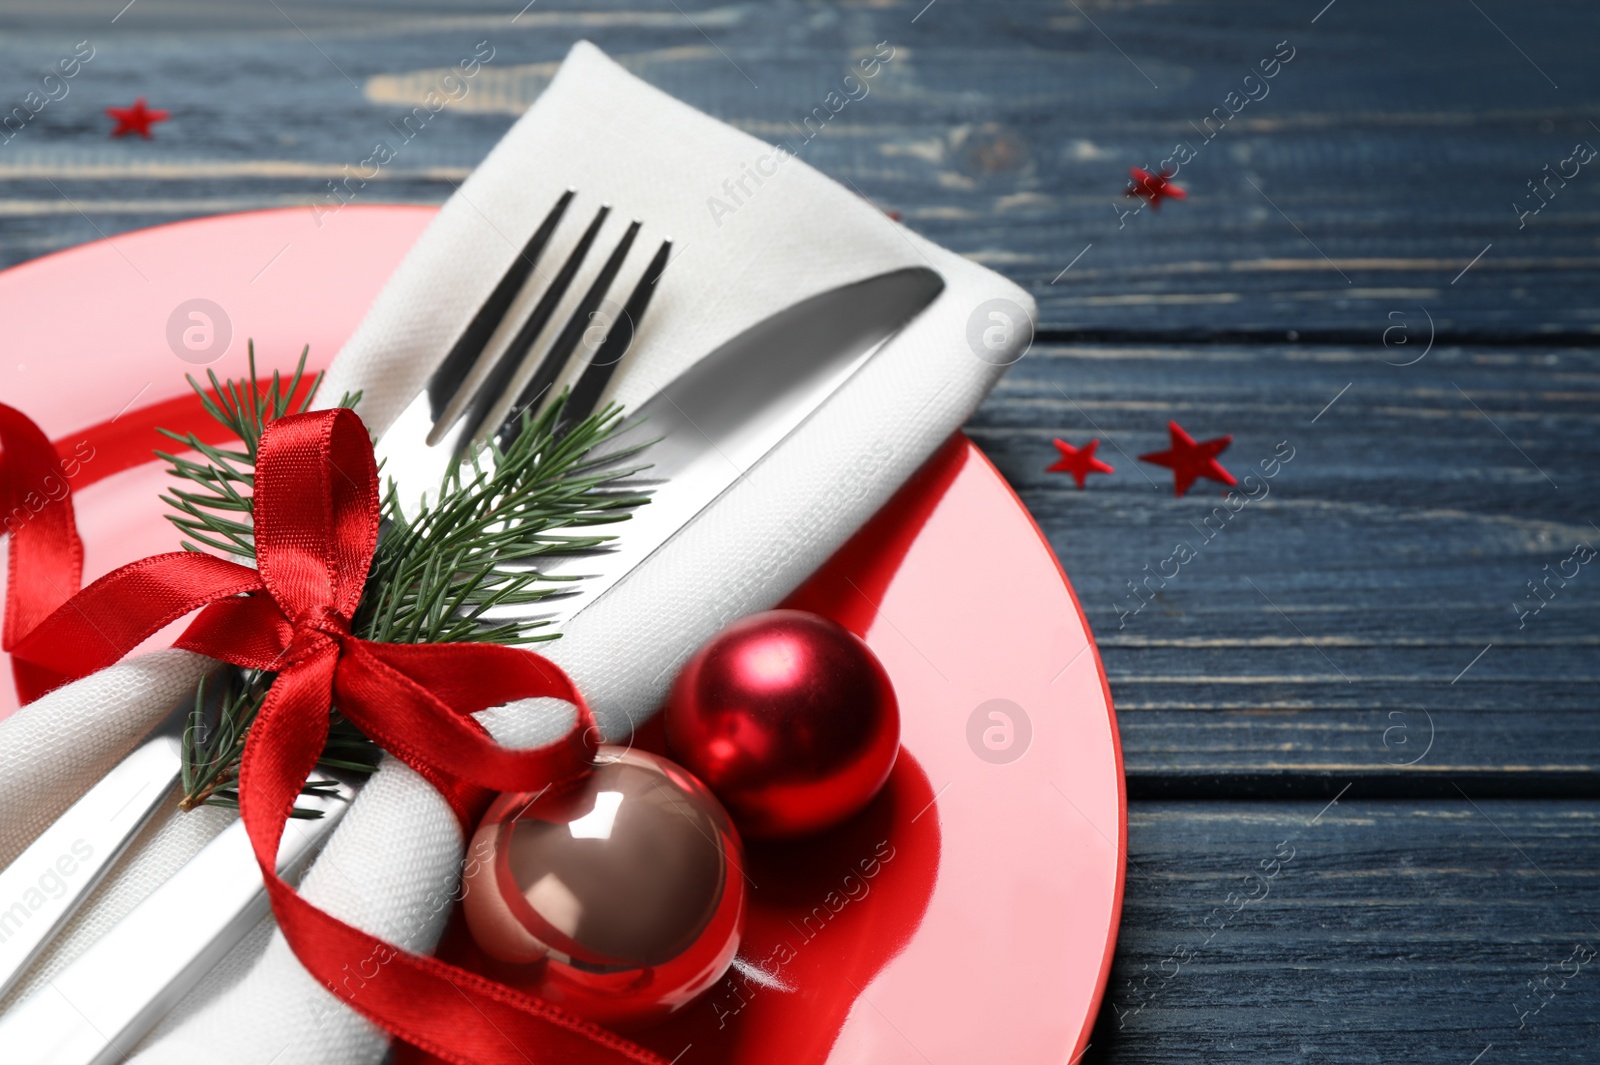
754,229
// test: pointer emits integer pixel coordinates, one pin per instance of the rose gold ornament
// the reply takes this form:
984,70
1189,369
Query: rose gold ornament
620,899
789,718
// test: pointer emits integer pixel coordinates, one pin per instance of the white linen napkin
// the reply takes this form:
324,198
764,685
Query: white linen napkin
754,229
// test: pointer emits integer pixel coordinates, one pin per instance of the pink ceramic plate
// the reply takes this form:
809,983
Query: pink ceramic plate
968,915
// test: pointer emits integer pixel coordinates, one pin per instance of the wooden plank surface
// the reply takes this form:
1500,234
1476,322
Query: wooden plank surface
1375,165
1369,607
1365,931
1348,277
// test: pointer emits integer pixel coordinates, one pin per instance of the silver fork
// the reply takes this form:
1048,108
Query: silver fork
435,430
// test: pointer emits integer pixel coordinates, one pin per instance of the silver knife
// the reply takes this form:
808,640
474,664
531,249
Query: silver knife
707,428
96,1010
44,886
705,431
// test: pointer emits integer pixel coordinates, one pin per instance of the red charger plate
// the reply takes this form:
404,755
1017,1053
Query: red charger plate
968,915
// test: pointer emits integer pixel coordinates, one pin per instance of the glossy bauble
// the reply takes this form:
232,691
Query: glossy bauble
620,899
789,718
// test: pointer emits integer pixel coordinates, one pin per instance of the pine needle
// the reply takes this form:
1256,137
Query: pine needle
475,546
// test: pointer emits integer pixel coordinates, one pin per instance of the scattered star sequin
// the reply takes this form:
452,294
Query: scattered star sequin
1189,460
1152,187
1078,461
136,119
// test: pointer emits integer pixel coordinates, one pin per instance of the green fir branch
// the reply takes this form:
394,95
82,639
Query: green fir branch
436,577
216,510
478,545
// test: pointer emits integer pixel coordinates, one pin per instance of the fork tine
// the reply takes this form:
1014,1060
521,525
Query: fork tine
499,379
586,393
445,384
572,334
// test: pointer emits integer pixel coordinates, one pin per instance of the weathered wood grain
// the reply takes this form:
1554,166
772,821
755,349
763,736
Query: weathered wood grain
1376,164
1395,932
1357,632
1325,631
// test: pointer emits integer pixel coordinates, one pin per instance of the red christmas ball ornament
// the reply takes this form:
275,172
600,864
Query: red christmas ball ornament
789,718
619,899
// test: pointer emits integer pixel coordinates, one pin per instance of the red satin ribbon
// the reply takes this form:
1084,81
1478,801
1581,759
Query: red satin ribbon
36,485
46,556
316,527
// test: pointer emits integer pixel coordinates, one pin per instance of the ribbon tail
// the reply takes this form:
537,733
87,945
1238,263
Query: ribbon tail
285,741
119,611
416,701
453,1014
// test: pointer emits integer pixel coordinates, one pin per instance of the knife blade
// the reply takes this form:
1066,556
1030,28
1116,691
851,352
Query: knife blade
706,429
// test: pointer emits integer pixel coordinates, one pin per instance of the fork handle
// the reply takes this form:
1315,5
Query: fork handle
46,884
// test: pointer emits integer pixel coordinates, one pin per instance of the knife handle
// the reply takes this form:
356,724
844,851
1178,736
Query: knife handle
98,1009
46,884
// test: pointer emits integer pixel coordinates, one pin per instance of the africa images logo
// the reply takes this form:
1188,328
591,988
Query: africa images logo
51,883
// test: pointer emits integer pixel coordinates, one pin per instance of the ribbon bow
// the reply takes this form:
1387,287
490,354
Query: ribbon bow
316,516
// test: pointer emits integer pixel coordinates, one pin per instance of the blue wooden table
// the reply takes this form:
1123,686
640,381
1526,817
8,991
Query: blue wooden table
1382,673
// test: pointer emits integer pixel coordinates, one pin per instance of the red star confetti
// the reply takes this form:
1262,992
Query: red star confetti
1153,187
1188,460
1080,462
136,119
